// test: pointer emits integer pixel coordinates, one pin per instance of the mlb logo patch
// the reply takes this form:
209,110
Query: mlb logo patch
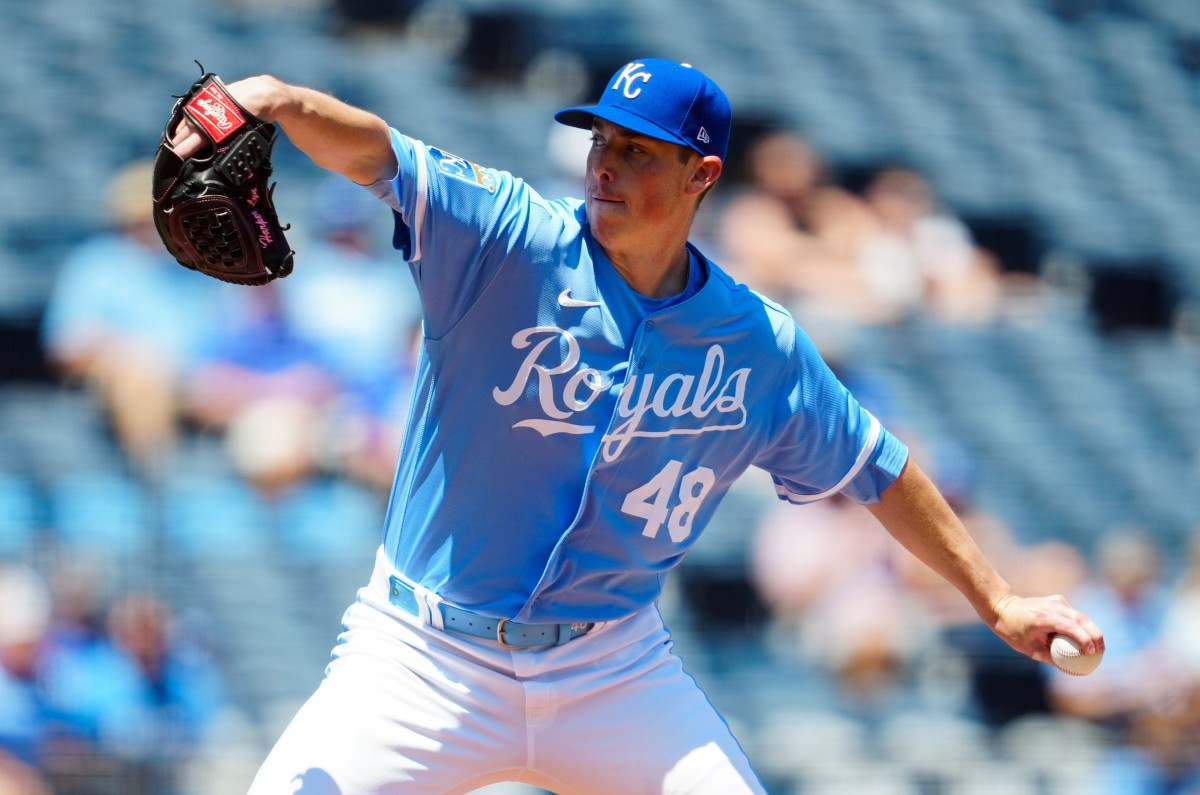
460,168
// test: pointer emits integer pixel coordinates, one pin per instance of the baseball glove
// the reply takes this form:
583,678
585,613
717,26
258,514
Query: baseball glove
214,210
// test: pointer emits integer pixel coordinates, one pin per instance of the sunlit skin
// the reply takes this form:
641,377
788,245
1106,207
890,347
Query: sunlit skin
641,196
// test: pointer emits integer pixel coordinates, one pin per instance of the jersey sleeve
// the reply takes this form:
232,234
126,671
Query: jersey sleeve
453,223
823,442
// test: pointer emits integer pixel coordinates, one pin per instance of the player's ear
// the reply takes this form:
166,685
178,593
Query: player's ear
705,172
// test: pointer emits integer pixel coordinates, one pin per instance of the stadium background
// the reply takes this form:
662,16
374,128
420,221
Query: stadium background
1065,134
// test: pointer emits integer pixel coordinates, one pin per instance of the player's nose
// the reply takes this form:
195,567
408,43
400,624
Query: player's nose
600,164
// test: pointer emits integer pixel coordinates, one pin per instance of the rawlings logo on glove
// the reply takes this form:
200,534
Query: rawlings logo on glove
213,210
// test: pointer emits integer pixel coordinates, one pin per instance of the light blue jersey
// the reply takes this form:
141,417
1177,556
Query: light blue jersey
567,441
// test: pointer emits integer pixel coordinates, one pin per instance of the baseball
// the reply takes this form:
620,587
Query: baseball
1068,657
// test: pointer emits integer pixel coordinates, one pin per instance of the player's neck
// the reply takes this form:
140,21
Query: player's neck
654,275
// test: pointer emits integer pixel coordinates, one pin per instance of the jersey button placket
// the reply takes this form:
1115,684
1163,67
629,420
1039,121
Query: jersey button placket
647,328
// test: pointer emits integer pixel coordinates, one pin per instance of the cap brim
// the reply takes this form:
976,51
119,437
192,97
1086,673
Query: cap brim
582,117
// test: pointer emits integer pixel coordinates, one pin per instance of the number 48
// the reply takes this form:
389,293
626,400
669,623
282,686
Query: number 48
652,501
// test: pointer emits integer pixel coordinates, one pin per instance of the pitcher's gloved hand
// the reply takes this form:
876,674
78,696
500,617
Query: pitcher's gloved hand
214,209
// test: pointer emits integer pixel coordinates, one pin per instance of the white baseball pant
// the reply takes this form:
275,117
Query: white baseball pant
407,709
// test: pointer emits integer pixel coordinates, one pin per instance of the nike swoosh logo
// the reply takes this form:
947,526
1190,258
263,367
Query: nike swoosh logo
565,300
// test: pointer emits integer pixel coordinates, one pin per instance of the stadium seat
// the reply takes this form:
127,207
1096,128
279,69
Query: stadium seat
100,513
19,515
213,517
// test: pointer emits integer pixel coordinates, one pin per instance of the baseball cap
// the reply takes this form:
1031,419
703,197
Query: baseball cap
664,100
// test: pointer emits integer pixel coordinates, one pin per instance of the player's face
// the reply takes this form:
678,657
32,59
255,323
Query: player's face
635,185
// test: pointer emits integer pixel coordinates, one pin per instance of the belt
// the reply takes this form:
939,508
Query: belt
509,634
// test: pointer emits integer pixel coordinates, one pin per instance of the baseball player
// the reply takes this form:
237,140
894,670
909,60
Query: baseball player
589,387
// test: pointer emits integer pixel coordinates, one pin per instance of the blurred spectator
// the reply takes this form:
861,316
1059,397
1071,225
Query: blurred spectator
18,778
1140,693
1182,622
826,576
360,314
142,695
354,308
41,746
791,233
844,595
26,716
81,587
918,258
798,560
311,374
835,257
127,321
872,638
1172,730
263,387
362,431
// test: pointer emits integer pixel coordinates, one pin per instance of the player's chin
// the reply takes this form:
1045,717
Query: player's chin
606,215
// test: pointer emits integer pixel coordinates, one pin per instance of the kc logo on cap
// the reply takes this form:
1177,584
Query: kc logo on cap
623,82
664,100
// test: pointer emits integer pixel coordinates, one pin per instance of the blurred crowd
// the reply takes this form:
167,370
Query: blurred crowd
841,256
111,693
309,377
845,600
299,377
100,693
888,636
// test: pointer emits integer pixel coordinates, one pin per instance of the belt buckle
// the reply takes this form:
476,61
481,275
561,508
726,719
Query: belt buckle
500,635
